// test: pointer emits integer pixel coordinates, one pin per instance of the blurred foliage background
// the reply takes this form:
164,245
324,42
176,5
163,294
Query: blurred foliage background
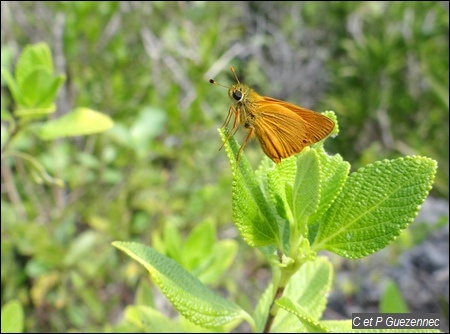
381,66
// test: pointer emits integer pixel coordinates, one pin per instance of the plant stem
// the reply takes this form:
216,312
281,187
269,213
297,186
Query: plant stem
282,275
273,310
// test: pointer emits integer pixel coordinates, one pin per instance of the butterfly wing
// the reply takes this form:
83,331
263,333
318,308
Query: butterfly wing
284,129
318,126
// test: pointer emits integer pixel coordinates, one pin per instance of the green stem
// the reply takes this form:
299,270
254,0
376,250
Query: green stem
273,310
38,167
282,275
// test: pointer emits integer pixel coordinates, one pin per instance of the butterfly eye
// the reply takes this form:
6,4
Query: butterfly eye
237,95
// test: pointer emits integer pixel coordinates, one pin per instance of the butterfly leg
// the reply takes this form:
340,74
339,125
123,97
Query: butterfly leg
231,111
249,135
235,124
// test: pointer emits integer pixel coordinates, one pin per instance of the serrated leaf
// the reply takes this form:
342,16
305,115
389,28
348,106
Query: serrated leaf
252,213
338,326
306,190
331,115
33,56
188,295
333,175
308,287
262,172
376,203
280,180
81,121
12,317
311,324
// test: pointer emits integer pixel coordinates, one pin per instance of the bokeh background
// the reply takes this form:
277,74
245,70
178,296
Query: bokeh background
383,67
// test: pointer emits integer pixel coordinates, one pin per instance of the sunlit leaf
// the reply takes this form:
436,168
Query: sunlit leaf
79,122
376,203
12,317
252,213
188,295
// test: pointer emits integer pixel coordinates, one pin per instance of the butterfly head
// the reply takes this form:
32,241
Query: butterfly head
238,92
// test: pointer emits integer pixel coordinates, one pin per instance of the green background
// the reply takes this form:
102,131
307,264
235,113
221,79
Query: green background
381,66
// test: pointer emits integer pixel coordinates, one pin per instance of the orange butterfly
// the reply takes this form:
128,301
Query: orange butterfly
282,128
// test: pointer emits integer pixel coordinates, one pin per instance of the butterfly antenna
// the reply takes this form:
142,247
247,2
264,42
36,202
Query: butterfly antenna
232,70
216,83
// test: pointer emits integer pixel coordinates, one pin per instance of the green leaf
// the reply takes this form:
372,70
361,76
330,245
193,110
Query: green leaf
306,190
311,324
149,123
333,172
81,121
33,56
172,245
49,94
204,256
37,83
35,86
252,213
12,85
199,244
331,115
339,326
120,135
34,112
6,116
333,175
12,317
188,295
376,203
391,300
150,320
212,269
308,287
262,309
81,246
144,293
280,180
264,169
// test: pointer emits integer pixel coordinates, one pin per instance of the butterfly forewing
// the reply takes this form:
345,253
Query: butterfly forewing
284,129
